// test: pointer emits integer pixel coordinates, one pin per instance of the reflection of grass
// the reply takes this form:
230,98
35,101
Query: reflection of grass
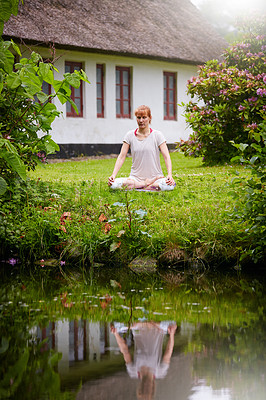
194,217
132,298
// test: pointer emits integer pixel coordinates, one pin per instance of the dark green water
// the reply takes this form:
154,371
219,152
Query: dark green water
199,339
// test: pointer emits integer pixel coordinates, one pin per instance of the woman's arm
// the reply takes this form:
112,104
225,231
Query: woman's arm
165,152
119,162
122,346
170,344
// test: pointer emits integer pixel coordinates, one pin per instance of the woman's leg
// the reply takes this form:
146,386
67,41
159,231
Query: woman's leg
160,184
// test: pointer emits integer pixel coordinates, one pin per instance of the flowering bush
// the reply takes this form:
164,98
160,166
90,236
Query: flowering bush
230,99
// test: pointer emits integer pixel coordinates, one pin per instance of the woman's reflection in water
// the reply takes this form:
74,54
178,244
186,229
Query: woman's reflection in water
148,363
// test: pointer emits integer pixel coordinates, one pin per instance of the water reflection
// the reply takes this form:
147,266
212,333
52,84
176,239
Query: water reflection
101,360
148,363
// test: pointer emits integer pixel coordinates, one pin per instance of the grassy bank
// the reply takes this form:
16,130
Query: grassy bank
70,214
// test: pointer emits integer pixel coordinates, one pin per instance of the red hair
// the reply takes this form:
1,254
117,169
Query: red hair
143,110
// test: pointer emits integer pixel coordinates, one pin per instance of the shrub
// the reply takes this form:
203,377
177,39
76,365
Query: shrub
229,99
26,112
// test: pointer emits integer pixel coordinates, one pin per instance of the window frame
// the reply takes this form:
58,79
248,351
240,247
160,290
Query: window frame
101,83
167,102
121,85
72,113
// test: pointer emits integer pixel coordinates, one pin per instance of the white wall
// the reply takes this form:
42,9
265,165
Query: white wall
147,88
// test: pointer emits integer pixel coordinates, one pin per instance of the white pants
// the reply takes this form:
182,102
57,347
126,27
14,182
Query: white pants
118,184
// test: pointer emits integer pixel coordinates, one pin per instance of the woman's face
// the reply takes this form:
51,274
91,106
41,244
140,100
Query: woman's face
143,120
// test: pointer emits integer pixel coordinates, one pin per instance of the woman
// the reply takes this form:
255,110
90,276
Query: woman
145,144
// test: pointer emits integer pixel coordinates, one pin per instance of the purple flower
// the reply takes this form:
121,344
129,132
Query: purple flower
12,261
62,263
261,92
252,99
252,126
241,108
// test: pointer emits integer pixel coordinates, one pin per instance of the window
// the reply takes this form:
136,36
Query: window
76,94
169,86
123,106
47,89
100,90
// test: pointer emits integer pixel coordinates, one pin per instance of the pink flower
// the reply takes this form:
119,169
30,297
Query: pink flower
12,261
261,92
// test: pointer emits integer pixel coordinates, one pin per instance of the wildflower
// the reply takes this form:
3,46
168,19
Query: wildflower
62,263
12,261
252,126
241,108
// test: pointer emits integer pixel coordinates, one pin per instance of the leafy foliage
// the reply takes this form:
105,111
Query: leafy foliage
26,112
229,99
251,201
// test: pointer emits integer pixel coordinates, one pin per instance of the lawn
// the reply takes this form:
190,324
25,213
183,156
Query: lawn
192,223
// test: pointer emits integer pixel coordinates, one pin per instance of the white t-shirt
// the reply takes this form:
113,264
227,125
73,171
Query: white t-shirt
148,352
145,155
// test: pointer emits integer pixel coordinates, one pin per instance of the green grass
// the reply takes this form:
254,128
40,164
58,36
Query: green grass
194,218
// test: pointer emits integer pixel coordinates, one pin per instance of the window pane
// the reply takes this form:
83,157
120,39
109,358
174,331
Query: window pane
77,68
77,92
118,108
171,110
125,106
171,96
165,110
171,82
99,106
68,107
118,92
99,90
125,93
125,77
45,88
99,74
67,68
164,81
164,95
117,76
77,102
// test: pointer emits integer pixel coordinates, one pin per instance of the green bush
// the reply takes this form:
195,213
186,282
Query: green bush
229,99
26,112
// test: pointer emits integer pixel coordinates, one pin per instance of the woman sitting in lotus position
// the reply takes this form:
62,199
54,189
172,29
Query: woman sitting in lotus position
145,144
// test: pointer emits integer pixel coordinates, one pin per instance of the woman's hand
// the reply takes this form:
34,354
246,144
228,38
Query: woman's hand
111,180
170,180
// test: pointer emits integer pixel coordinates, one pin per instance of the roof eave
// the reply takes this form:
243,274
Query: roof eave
102,51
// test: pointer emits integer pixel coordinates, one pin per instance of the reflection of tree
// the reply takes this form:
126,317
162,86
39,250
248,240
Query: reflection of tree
27,365
233,356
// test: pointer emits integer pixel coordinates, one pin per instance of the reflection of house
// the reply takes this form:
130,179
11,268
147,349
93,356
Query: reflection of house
133,53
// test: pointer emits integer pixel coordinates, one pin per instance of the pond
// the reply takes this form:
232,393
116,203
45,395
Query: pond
116,335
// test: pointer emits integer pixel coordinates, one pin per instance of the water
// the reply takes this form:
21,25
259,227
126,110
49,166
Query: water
120,338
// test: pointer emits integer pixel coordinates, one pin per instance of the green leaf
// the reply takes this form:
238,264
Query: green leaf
6,58
243,146
42,97
253,159
4,342
14,163
46,73
16,48
72,79
13,80
3,188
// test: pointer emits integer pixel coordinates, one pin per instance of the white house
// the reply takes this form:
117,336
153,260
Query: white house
133,51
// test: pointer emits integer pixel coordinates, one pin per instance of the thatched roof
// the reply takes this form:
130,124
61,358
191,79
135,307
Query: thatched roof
172,30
